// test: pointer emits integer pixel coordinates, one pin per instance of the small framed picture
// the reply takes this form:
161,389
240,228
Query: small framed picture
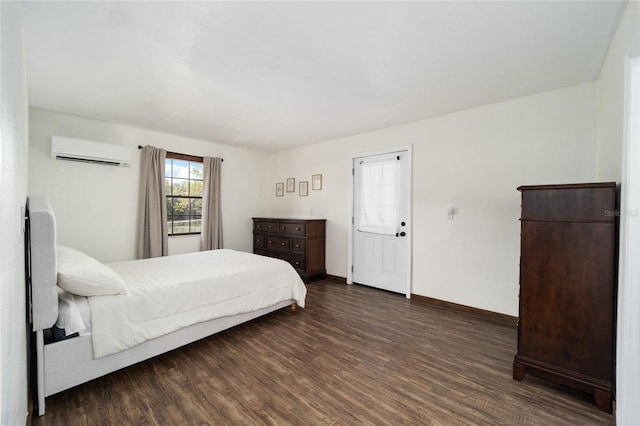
279,189
304,188
316,182
291,185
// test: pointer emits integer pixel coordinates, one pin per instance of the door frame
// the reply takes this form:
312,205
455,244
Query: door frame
628,347
409,260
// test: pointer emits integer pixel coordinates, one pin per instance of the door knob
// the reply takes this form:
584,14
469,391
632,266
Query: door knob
402,234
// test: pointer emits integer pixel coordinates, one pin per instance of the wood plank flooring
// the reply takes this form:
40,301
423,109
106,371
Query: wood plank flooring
354,356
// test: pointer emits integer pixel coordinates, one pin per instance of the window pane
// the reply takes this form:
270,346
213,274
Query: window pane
180,169
167,167
169,215
180,224
196,225
196,171
196,215
180,186
167,186
196,208
180,206
196,188
169,207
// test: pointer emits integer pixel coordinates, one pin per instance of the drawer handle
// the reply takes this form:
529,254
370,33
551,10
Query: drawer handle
282,244
297,245
297,263
270,242
297,229
270,226
283,227
259,240
258,226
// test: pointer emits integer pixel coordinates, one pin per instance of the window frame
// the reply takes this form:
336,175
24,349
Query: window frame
191,159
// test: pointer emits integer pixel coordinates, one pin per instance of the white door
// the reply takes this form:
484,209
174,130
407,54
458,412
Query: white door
381,221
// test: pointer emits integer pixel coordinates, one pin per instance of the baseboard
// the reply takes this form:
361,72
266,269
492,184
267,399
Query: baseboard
495,317
335,279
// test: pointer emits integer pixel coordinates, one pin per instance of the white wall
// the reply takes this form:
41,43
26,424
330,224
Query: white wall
611,96
96,205
472,160
13,191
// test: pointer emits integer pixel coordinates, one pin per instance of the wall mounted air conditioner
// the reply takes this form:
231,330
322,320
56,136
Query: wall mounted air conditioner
63,148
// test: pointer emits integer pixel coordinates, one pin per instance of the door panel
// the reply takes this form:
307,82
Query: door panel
367,253
389,258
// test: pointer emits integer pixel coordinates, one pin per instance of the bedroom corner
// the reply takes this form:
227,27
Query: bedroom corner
108,196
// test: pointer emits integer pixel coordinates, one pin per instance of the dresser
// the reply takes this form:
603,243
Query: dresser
301,242
566,329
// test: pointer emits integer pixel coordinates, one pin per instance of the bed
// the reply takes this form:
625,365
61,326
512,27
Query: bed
144,309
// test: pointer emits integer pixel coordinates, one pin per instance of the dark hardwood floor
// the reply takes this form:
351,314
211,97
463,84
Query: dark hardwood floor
354,356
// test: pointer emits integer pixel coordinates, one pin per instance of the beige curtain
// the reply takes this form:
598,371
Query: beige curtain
152,239
211,235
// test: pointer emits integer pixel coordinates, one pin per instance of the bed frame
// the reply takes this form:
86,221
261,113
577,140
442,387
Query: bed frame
68,363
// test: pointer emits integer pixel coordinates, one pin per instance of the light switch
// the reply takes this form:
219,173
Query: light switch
450,211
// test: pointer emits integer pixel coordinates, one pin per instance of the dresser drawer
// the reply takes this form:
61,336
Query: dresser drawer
298,262
259,241
265,226
292,228
275,242
575,203
298,245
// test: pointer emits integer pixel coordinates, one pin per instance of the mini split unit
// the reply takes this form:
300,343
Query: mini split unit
63,148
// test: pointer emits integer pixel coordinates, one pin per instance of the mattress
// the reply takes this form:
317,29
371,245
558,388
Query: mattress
168,293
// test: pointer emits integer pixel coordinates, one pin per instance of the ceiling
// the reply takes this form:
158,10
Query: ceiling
270,76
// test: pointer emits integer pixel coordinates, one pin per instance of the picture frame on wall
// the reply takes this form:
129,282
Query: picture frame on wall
316,182
291,185
304,188
280,189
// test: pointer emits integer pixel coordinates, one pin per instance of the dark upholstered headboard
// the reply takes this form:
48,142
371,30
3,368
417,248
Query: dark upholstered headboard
43,264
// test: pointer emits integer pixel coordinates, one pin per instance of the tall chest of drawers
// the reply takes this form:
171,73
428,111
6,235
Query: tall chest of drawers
301,242
566,331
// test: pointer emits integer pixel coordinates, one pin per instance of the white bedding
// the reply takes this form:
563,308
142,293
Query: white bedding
74,314
168,293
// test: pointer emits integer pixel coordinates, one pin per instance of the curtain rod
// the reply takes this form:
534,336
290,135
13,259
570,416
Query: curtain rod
177,153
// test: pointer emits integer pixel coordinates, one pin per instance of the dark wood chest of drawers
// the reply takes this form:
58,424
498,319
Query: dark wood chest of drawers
301,242
566,330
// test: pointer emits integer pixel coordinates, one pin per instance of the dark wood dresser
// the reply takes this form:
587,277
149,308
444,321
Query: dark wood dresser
568,264
300,242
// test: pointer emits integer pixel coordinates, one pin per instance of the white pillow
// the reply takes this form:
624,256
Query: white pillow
83,275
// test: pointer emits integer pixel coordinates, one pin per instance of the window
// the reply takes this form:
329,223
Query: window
183,184
379,196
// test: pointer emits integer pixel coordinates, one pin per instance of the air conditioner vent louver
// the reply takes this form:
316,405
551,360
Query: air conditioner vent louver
63,148
81,160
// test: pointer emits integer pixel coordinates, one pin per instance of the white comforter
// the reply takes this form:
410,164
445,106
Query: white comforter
168,293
